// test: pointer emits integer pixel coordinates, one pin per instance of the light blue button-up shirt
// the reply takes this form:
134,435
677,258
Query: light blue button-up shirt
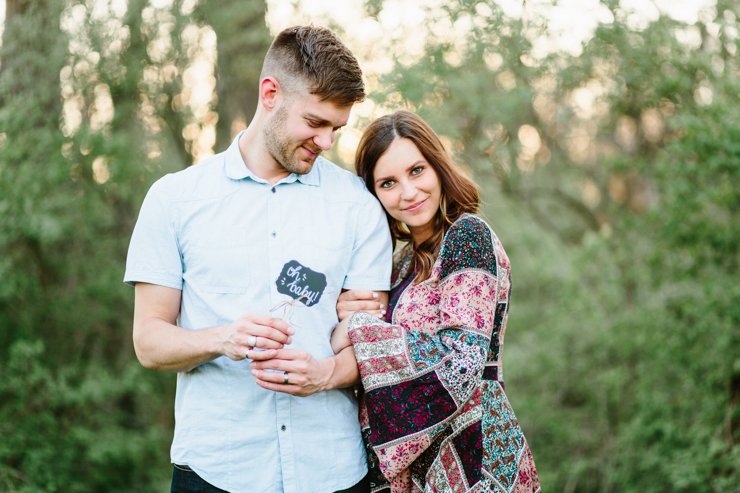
224,237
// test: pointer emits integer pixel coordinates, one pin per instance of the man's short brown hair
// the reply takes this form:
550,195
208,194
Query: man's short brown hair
313,57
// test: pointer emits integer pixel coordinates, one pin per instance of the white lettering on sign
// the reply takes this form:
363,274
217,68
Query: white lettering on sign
301,283
300,291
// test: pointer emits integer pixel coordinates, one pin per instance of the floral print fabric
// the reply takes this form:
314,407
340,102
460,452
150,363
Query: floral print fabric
435,416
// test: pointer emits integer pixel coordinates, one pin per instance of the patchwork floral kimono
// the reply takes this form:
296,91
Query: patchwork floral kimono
435,416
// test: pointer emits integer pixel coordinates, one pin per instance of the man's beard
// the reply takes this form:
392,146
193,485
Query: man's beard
281,148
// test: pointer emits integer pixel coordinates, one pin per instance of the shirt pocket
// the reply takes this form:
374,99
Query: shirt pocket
328,226
217,260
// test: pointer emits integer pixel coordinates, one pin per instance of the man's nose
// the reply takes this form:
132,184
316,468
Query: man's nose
324,138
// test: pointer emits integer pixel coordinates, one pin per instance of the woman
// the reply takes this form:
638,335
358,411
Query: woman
435,416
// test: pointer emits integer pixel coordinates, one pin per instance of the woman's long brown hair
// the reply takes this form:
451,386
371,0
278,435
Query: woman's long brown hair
459,194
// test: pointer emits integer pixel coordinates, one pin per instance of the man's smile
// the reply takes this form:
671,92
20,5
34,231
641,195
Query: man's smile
309,153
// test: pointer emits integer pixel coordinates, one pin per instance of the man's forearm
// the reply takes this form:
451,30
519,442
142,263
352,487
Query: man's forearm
162,346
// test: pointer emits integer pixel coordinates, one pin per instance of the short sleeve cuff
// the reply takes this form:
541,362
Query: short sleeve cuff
131,278
365,283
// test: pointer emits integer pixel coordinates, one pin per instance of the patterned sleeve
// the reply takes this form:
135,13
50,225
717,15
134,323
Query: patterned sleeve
420,376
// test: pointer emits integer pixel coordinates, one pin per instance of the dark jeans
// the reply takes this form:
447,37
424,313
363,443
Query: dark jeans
362,487
185,480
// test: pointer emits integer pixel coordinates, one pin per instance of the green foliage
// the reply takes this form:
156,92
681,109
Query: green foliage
76,430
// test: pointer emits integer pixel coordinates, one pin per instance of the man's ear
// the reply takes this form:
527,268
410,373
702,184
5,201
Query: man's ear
270,93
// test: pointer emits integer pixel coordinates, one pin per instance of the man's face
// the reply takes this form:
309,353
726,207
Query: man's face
300,128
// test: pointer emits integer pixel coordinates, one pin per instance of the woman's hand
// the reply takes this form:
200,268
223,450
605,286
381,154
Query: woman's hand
364,300
339,338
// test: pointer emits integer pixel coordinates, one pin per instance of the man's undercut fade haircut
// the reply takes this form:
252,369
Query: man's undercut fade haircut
313,58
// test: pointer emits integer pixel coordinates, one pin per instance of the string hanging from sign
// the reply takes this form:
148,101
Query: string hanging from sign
288,307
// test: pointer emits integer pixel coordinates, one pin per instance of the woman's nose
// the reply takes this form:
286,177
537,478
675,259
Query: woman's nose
408,191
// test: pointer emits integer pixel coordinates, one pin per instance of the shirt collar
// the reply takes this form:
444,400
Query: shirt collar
313,177
235,168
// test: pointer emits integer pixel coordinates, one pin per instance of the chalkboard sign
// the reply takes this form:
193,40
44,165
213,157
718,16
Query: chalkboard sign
301,283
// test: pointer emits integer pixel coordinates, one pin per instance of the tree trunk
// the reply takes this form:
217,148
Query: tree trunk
242,41
32,56
31,50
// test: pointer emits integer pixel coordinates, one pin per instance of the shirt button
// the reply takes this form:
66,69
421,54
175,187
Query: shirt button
282,427
273,189
273,234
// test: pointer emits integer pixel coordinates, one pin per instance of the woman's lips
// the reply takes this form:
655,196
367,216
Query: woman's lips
415,207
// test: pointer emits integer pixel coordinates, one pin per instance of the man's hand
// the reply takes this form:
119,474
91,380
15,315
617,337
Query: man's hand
267,332
364,300
305,374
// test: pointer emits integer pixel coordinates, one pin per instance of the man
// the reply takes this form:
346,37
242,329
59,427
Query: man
250,249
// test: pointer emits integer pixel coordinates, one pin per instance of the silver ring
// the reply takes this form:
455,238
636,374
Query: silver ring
252,341
285,378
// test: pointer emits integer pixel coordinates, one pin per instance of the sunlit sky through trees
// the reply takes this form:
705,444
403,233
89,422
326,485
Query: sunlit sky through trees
398,33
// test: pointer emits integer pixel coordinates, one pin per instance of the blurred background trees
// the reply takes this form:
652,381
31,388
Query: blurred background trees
97,100
612,176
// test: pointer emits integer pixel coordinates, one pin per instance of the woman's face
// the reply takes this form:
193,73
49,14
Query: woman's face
408,187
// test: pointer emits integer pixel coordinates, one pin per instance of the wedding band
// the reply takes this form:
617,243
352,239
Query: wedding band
285,378
252,341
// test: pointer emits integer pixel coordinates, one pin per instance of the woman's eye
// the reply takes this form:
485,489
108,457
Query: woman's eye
417,170
387,184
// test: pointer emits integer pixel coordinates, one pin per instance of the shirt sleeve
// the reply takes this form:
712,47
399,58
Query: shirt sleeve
372,252
154,254
420,376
